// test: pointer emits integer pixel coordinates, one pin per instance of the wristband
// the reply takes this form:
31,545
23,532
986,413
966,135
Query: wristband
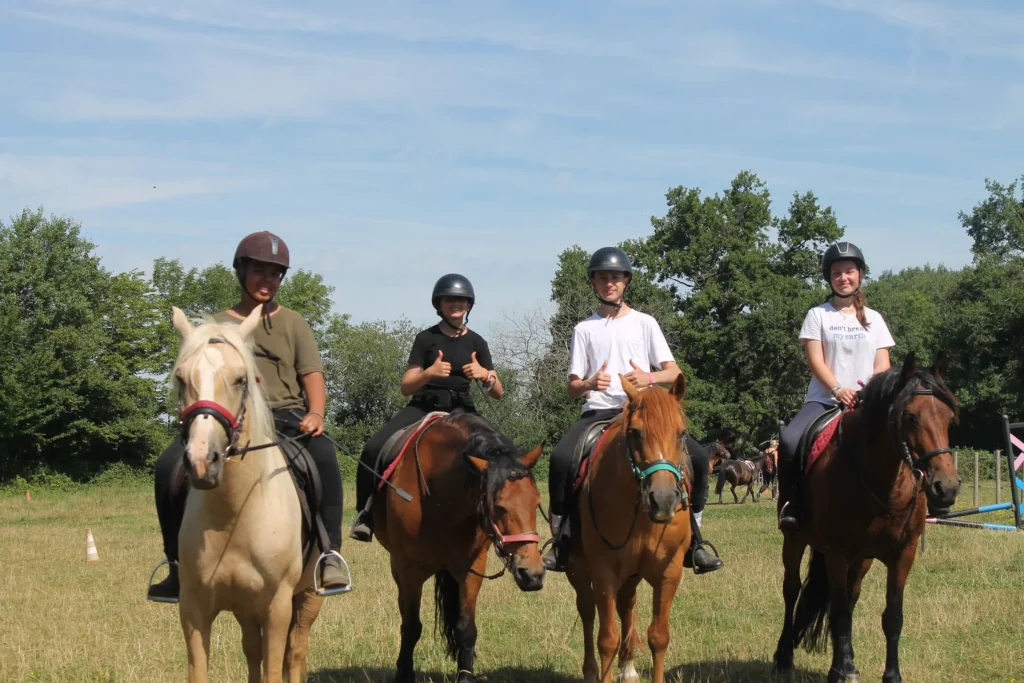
836,388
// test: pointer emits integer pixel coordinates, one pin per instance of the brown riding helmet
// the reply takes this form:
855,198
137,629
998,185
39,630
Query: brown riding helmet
262,246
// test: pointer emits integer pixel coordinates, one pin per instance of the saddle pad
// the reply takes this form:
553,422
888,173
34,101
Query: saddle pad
748,465
423,425
581,473
822,440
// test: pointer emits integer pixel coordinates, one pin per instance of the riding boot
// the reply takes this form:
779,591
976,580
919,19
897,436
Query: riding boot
362,528
167,590
697,558
332,575
789,495
556,559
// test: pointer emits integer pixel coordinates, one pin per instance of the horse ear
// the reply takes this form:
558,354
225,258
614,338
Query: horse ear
909,367
180,322
941,365
479,463
530,459
249,324
679,386
630,390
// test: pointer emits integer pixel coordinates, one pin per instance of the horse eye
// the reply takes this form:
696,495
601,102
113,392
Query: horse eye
240,381
910,418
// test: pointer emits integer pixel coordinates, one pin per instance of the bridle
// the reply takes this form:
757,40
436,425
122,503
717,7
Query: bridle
500,540
918,466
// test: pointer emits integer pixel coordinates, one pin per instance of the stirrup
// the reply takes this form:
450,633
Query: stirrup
701,543
172,601
327,592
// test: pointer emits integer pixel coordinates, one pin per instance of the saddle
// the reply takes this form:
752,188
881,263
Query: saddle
585,447
398,443
817,436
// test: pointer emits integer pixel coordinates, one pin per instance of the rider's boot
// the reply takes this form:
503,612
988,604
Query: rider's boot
789,496
697,558
333,577
167,590
556,559
362,528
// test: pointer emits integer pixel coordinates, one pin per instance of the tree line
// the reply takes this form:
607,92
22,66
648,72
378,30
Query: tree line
85,352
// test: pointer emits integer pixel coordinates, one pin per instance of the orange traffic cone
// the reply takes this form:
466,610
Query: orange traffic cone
28,496
90,548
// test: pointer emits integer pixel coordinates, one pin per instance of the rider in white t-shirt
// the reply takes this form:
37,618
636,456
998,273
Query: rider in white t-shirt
616,340
846,343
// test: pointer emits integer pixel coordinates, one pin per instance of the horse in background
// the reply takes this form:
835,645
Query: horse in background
757,472
241,538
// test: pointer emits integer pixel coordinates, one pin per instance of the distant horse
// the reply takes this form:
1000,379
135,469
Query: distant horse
241,537
717,453
886,463
758,471
469,490
641,461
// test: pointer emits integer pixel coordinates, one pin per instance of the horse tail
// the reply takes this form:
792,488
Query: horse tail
447,611
810,623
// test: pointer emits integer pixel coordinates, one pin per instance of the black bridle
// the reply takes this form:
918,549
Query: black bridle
918,466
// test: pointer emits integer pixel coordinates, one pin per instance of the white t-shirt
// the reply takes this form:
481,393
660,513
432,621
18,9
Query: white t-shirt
635,336
849,349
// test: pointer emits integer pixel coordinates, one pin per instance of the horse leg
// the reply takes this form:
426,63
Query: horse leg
196,625
410,593
658,633
608,629
277,623
792,556
252,646
465,630
305,609
892,617
732,486
857,574
579,576
841,621
626,605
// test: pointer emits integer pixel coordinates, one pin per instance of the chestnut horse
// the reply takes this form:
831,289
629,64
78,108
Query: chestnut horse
241,536
469,490
869,490
641,461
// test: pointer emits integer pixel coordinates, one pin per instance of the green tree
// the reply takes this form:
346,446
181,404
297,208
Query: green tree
997,224
75,347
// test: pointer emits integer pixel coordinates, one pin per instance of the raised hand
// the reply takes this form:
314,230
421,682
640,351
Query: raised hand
601,380
440,368
473,370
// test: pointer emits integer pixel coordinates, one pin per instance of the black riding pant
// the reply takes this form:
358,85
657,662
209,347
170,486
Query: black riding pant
794,431
560,476
410,414
170,506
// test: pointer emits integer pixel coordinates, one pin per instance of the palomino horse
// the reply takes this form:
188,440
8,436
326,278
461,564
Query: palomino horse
469,489
758,471
241,536
641,461
869,490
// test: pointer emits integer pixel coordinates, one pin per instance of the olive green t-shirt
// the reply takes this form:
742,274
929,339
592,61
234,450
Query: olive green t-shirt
285,349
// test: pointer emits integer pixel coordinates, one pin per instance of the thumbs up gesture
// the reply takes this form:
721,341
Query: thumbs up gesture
473,370
601,379
440,368
638,377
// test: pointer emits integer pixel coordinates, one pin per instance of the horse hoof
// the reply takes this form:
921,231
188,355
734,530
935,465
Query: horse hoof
782,663
892,678
465,677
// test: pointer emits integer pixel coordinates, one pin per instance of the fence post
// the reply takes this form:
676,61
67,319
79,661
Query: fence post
976,478
956,463
999,479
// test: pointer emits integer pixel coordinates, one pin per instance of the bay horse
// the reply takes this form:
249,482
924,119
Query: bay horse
470,489
241,536
758,471
717,454
886,466
640,461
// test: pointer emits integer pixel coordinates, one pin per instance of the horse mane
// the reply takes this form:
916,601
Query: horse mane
485,441
886,395
258,416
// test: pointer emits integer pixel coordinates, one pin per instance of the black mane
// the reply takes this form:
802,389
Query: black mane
887,394
487,443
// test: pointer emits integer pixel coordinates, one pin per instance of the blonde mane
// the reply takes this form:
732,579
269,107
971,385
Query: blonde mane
259,420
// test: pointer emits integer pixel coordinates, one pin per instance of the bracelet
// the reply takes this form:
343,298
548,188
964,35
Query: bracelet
322,419
491,379
836,388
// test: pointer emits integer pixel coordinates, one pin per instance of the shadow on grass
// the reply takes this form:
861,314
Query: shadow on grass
736,671
508,674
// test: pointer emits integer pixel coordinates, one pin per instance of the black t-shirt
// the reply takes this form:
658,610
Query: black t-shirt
457,351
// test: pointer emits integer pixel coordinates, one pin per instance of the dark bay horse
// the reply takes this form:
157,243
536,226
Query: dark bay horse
717,454
887,465
469,490
640,462
758,471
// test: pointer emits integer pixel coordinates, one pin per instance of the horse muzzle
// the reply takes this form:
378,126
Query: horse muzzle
662,502
204,471
941,493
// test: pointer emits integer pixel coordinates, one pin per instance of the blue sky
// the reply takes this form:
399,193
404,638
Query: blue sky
391,142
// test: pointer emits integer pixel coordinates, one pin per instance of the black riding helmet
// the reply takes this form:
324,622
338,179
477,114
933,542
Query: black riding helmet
841,251
613,259
452,284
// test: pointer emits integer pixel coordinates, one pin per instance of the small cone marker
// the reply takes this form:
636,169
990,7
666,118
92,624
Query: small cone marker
28,496
90,548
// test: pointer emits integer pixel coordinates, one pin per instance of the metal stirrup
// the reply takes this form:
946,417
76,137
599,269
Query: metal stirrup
327,592
172,601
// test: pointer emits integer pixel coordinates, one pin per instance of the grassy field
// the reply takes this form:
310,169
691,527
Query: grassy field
67,620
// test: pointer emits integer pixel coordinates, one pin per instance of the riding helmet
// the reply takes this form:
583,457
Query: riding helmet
452,284
265,247
609,258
